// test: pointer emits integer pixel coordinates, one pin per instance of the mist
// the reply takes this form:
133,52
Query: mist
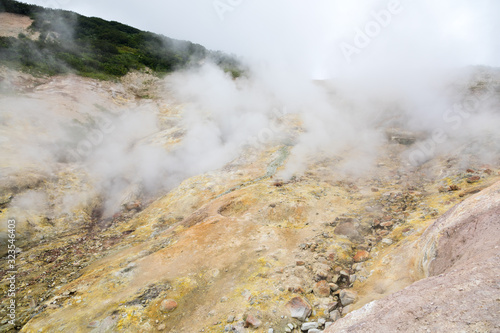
340,73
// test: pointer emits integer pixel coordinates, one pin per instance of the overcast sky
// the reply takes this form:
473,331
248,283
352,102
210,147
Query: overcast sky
321,35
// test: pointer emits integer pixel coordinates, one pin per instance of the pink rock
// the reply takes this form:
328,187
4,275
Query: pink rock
168,305
251,321
299,308
321,289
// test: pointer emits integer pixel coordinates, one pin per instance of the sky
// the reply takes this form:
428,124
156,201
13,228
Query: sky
319,35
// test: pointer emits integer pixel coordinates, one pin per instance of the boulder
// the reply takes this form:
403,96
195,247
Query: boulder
299,308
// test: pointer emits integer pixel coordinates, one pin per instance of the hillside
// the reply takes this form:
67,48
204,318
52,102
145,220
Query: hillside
59,41
228,248
209,201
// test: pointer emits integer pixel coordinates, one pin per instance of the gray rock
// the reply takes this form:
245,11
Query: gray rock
335,315
346,309
344,273
347,297
321,321
358,267
270,330
328,324
308,326
291,326
314,330
348,229
230,319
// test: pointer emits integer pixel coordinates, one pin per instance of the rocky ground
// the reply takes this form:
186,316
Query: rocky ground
237,249
465,249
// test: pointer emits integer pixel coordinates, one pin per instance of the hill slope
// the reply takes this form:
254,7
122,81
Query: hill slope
60,41
223,245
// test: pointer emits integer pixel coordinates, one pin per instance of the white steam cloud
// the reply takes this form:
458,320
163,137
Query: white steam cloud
382,64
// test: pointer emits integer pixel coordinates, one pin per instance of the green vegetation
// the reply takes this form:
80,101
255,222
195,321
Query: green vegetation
90,46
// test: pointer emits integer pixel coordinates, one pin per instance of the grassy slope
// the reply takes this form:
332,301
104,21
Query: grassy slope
95,47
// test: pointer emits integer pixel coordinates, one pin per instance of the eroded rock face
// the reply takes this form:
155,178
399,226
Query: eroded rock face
462,291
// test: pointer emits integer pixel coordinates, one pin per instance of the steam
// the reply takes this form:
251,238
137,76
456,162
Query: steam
414,74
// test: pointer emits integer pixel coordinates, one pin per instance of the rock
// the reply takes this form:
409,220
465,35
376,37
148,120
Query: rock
299,308
347,297
309,326
346,309
321,289
333,287
361,255
288,330
473,179
321,271
93,324
161,327
301,272
295,284
387,241
349,230
357,267
300,263
335,315
442,189
314,330
134,205
239,328
270,330
168,305
230,319
251,321
328,324
382,232
291,326
228,328
332,306
402,137
321,321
